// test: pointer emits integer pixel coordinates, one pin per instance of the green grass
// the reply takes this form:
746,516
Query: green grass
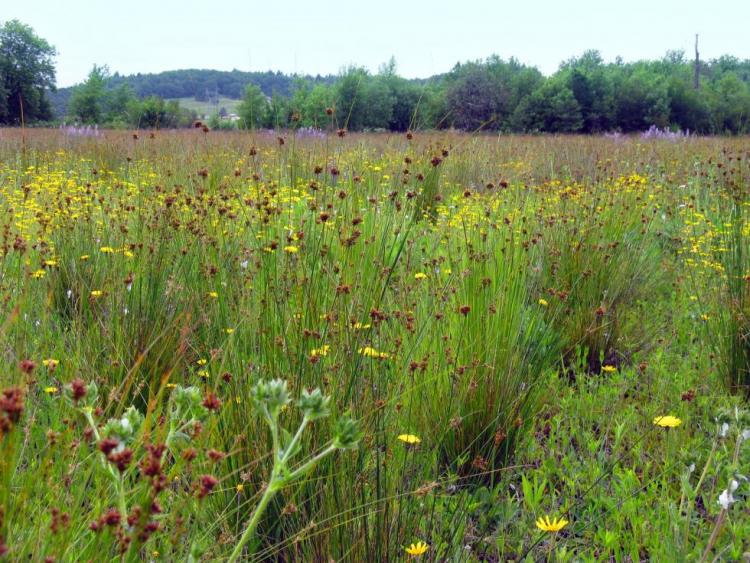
525,309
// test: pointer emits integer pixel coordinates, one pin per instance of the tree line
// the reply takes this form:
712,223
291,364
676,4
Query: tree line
585,95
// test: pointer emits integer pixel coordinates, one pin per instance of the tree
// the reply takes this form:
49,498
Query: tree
314,112
87,101
688,109
552,108
485,94
641,100
350,98
406,100
473,99
27,70
730,105
378,103
277,113
117,101
592,88
253,108
154,112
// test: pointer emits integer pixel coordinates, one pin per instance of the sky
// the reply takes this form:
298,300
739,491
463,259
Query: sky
322,36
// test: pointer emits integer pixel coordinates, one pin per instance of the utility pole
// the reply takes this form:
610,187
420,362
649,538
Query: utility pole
697,76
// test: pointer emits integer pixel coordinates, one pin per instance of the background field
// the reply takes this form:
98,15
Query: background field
209,108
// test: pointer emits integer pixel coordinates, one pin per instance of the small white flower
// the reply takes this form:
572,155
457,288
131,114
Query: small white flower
725,498
243,264
745,434
724,430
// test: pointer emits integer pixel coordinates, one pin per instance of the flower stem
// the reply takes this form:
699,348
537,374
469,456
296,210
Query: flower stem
254,520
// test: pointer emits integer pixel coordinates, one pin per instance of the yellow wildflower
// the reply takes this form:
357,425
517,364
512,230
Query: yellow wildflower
417,549
410,439
373,353
667,421
551,526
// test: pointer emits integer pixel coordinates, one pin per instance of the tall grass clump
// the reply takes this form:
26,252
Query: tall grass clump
598,267
723,246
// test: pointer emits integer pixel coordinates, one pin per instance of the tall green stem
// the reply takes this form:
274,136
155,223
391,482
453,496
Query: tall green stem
254,520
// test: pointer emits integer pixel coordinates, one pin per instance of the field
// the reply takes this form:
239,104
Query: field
502,329
207,108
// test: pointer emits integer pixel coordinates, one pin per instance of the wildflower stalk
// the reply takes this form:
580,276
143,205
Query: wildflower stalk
725,508
268,494
270,398
117,479
694,495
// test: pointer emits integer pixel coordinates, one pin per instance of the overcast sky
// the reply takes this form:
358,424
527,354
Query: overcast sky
321,36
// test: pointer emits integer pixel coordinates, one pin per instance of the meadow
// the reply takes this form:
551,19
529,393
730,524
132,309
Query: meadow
373,347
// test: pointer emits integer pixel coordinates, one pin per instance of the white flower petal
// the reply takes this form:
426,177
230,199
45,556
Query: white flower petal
726,499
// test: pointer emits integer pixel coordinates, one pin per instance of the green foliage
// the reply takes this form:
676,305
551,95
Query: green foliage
269,397
553,108
253,108
97,102
641,100
27,71
484,95
730,104
86,103
351,101
154,112
311,102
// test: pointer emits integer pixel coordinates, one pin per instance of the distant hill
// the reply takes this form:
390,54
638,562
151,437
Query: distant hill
201,85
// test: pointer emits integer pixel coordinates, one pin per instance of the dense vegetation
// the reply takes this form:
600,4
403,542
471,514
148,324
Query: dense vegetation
586,95
27,72
526,348
191,83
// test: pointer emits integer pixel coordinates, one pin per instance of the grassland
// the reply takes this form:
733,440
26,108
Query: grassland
207,108
521,327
